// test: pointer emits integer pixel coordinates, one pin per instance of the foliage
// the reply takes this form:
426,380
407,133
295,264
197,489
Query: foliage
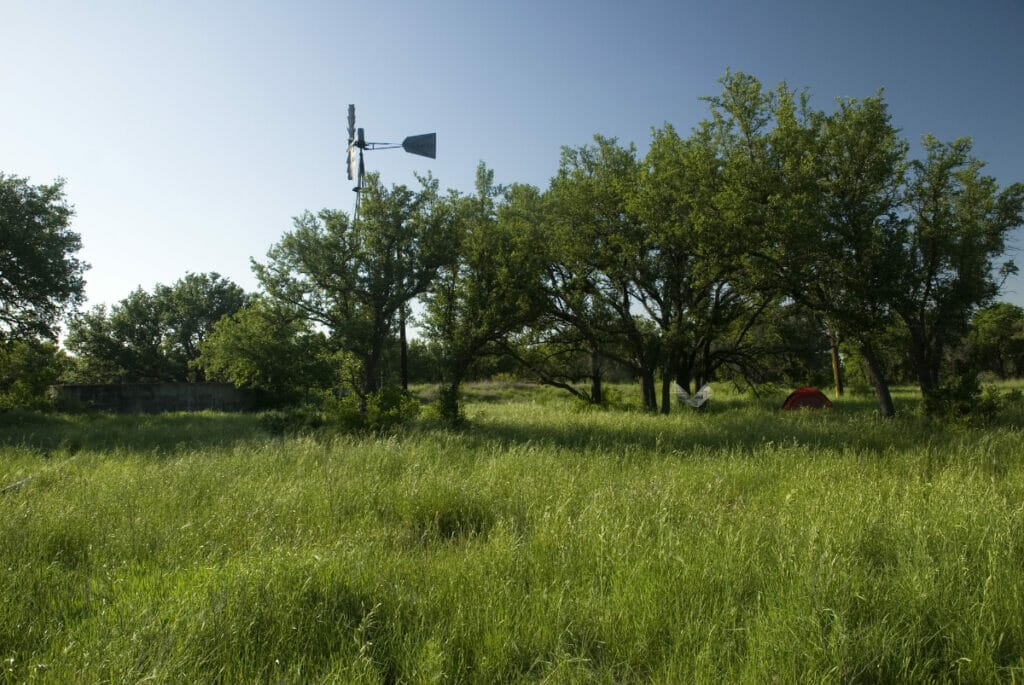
961,396
996,339
151,337
595,239
27,370
822,194
269,350
958,223
389,407
329,411
491,289
41,279
691,278
355,276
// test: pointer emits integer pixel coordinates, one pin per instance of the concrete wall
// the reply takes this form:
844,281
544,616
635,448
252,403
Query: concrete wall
152,398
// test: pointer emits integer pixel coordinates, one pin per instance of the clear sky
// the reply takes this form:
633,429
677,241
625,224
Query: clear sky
190,132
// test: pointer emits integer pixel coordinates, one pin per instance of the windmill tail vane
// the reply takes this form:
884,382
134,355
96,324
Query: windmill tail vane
424,145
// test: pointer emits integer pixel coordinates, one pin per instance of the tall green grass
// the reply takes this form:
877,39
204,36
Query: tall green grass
545,543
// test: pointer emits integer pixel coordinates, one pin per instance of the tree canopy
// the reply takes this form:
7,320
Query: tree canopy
41,278
151,336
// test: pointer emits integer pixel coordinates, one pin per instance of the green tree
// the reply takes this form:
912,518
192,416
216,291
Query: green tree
267,349
120,345
188,310
28,368
690,279
958,223
151,337
355,277
996,339
41,279
492,287
817,198
590,279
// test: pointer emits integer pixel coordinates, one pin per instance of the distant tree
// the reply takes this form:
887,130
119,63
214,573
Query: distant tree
151,337
996,339
958,223
189,309
40,276
268,349
491,288
120,345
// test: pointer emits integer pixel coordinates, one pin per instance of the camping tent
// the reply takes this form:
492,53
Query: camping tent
807,398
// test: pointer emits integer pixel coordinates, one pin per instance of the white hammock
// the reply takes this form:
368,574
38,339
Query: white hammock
696,400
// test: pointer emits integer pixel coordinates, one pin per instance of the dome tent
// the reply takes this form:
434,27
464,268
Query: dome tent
807,398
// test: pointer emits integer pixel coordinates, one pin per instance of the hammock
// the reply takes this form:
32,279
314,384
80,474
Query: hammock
695,400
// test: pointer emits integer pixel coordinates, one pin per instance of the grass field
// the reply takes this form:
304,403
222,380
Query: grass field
543,543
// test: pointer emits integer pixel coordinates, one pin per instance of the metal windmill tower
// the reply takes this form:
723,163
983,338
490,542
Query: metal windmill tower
424,145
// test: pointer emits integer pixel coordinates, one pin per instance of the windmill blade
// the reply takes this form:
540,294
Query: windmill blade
424,145
353,161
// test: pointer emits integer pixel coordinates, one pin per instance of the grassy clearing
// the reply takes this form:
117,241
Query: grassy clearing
547,543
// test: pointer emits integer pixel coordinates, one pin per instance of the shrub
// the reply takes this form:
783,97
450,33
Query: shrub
389,407
962,396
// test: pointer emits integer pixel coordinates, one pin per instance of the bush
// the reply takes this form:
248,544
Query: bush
448,406
390,407
962,396
385,409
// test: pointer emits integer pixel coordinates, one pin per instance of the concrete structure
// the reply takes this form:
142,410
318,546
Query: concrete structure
152,398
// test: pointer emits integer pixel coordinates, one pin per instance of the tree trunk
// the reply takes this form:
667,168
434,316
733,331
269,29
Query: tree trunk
877,378
403,349
448,402
648,391
926,366
596,391
666,394
837,375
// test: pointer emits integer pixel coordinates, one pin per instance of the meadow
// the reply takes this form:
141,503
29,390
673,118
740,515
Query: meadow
543,543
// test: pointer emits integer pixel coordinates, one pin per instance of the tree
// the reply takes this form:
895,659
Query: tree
355,277
267,349
151,337
491,288
996,339
41,279
590,279
848,270
27,370
817,198
120,345
958,223
188,310
690,280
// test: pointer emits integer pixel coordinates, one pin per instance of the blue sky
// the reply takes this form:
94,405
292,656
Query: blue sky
191,132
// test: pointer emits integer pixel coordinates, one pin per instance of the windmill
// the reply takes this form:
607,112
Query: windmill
424,145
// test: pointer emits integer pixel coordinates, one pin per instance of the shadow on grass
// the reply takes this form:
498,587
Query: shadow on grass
155,433
731,424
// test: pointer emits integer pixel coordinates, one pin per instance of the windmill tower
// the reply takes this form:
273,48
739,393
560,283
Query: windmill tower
424,145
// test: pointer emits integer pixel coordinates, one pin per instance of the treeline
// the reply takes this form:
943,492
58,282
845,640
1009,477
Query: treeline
775,242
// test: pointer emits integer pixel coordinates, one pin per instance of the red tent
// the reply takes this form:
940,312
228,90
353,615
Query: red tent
807,398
